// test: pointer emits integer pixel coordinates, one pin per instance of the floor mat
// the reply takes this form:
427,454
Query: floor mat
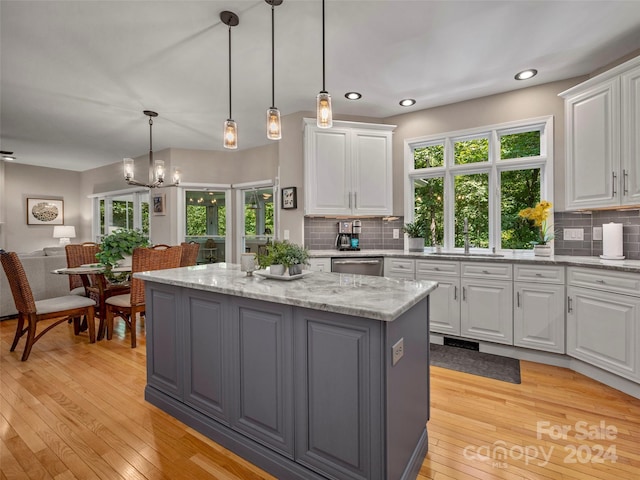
476,363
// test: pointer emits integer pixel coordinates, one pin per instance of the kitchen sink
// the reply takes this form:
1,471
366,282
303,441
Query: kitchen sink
467,255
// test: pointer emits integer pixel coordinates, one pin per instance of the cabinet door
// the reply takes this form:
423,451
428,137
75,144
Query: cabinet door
262,373
486,310
538,317
338,419
164,339
631,136
371,172
444,306
327,172
206,353
602,329
593,147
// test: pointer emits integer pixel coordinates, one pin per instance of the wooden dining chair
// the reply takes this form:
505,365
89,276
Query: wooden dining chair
190,251
31,311
129,306
81,254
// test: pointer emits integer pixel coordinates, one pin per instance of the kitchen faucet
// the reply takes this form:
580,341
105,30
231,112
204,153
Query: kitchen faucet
465,231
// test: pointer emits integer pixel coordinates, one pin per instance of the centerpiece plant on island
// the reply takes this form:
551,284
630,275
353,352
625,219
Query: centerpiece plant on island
118,246
289,255
538,215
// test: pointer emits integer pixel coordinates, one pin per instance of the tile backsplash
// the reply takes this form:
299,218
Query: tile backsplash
630,220
320,233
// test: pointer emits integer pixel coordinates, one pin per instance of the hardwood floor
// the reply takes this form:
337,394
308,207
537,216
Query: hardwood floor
76,410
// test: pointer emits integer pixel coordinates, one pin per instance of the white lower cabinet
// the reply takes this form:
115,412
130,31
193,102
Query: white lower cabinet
399,268
602,326
538,315
486,311
444,301
320,264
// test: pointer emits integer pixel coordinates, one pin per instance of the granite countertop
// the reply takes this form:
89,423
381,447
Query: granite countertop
566,260
366,296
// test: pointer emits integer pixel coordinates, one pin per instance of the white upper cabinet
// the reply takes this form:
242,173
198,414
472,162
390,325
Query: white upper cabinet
348,169
603,139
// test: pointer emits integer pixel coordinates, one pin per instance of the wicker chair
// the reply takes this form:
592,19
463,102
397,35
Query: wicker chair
190,253
129,306
31,311
81,254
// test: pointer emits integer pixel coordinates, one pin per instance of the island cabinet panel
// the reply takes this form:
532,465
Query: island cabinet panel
164,361
206,358
263,372
338,435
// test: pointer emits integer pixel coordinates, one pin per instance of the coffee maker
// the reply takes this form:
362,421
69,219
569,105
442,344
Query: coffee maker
348,237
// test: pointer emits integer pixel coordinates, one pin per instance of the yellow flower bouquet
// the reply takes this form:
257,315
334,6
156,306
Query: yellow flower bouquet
538,215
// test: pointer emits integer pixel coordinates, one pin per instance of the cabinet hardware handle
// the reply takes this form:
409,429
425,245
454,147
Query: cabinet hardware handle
349,199
569,306
437,269
355,200
625,189
600,281
486,272
538,274
455,292
518,299
464,294
613,183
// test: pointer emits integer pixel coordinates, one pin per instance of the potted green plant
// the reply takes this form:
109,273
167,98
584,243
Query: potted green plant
416,233
117,248
282,255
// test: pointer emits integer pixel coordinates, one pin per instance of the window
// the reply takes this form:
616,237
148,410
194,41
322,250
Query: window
484,175
114,210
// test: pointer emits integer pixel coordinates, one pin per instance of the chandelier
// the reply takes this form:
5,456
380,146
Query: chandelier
156,168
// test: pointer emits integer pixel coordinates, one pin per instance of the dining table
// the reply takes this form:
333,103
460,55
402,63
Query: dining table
101,288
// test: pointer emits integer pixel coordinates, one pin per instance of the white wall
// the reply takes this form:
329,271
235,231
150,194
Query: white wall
26,181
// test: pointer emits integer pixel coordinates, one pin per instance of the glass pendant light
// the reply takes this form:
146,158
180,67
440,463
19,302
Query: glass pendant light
274,130
324,116
230,133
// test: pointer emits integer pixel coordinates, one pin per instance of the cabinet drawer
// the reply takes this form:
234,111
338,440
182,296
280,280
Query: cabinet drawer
605,280
399,268
536,273
425,268
496,271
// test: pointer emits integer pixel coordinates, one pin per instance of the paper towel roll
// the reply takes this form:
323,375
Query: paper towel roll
612,240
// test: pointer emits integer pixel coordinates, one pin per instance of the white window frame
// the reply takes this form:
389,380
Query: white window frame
240,189
136,193
493,167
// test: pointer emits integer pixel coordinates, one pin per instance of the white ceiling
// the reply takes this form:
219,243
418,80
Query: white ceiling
76,75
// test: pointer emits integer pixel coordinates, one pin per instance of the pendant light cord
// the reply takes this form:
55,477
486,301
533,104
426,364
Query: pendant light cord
230,72
273,76
323,79
151,142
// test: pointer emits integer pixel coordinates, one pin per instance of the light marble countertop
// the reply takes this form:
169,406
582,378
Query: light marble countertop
365,296
567,260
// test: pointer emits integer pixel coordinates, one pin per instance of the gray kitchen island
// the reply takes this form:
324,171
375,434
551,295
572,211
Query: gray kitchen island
321,377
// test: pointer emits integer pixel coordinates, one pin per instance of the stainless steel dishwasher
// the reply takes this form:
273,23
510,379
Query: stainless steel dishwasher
358,265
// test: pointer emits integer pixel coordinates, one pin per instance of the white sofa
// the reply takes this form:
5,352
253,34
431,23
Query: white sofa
44,284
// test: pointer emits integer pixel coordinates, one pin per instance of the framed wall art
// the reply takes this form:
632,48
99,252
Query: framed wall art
289,198
45,211
159,203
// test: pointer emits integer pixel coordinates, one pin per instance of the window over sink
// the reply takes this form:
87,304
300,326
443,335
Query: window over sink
486,175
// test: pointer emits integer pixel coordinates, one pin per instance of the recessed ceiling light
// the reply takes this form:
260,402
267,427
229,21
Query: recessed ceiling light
526,74
353,95
407,102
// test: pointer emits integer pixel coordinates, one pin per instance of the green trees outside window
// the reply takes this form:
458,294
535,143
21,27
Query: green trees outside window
457,184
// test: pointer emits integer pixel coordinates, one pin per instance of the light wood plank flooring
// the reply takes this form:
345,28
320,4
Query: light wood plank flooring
75,410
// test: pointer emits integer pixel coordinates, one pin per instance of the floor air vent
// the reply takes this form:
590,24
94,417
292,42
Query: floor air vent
456,342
